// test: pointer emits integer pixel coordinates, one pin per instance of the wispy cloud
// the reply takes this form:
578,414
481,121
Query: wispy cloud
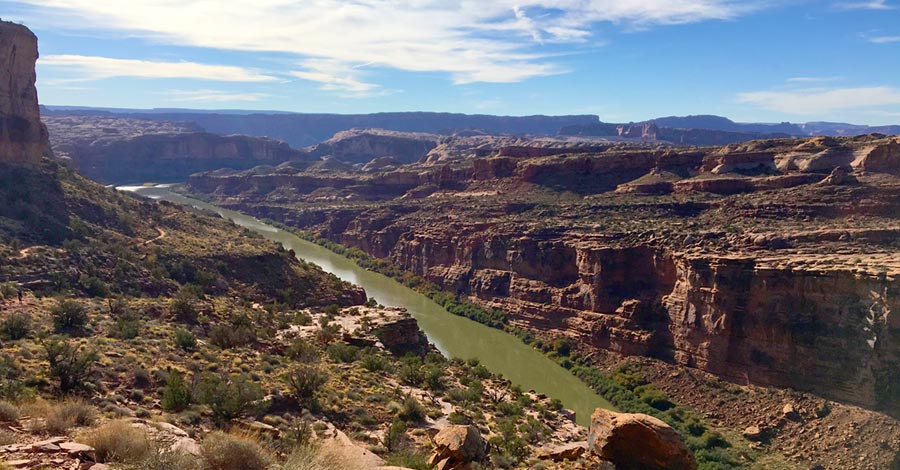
337,76
884,39
215,96
865,5
812,79
96,68
490,41
820,101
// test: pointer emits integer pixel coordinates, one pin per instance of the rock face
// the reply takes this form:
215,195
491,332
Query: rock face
637,442
365,145
173,157
23,138
458,447
692,279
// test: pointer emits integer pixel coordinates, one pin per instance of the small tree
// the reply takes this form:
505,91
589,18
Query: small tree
229,398
176,394
305,380
69,365
16,326
68,316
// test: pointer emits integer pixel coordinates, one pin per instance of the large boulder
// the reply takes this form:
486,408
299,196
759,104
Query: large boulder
637,442
458,447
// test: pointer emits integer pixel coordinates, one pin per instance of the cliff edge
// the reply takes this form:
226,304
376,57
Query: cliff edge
23,139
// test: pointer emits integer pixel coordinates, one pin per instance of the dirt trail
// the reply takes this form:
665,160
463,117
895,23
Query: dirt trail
162,234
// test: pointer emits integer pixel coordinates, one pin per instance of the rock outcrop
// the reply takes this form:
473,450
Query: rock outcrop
23,138
173,157
457,447
365,145
637,442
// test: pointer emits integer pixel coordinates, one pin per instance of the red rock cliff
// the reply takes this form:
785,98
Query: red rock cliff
23,139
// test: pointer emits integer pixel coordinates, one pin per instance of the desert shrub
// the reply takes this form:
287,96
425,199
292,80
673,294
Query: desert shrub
305,380
69,316
183,305
118,441
332,310
8,411
509,408
70,366
238,332
185,340
16,326
508,442
411,372
321,457
126,326
163,458
58,418
654,397
409,459
394,436
229,398
93,286
343,352
221,451
8,290
411,411
373,362
176,394
302,350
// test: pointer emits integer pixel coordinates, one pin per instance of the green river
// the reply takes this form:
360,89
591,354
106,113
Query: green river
455,336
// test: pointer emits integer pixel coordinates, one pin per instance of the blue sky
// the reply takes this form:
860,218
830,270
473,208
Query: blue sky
751,60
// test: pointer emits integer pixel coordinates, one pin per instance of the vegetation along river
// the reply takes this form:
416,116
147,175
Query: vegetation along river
455,336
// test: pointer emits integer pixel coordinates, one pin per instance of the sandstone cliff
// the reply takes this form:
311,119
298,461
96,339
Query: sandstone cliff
723,272
23,139
173,157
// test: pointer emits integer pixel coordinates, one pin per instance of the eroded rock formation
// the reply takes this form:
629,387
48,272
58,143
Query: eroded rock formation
637,442
23,138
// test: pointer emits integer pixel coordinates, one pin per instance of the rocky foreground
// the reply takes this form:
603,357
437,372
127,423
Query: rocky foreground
770,263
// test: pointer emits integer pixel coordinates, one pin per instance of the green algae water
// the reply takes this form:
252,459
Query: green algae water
454,336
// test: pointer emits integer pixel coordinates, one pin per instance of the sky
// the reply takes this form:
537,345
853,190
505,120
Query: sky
624,60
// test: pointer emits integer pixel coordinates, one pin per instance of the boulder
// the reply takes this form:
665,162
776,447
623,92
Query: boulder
558,453
637,441
457,447
753,433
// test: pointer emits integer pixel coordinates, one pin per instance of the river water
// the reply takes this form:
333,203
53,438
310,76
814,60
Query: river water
454,336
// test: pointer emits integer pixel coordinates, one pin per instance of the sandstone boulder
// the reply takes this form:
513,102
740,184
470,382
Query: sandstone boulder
558,453
458,447
637,441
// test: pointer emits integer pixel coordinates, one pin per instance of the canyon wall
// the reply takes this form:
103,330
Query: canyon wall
173,157
23,139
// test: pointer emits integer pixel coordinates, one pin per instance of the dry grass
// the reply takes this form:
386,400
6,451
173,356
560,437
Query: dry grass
118,441
322,457
59,417
221,451
8,412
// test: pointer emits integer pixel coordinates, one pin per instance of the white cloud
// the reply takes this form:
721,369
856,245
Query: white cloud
95,68
884,39
339,77
811,79
215,96
820,101
470,40
864,5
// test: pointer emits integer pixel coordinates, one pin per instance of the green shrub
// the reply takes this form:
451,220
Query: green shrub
302,350
229,398
16,326
69,316
176,394
373,362
411,411
70,366
126,326
183,309
185,340
231,335
305,380
343,352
